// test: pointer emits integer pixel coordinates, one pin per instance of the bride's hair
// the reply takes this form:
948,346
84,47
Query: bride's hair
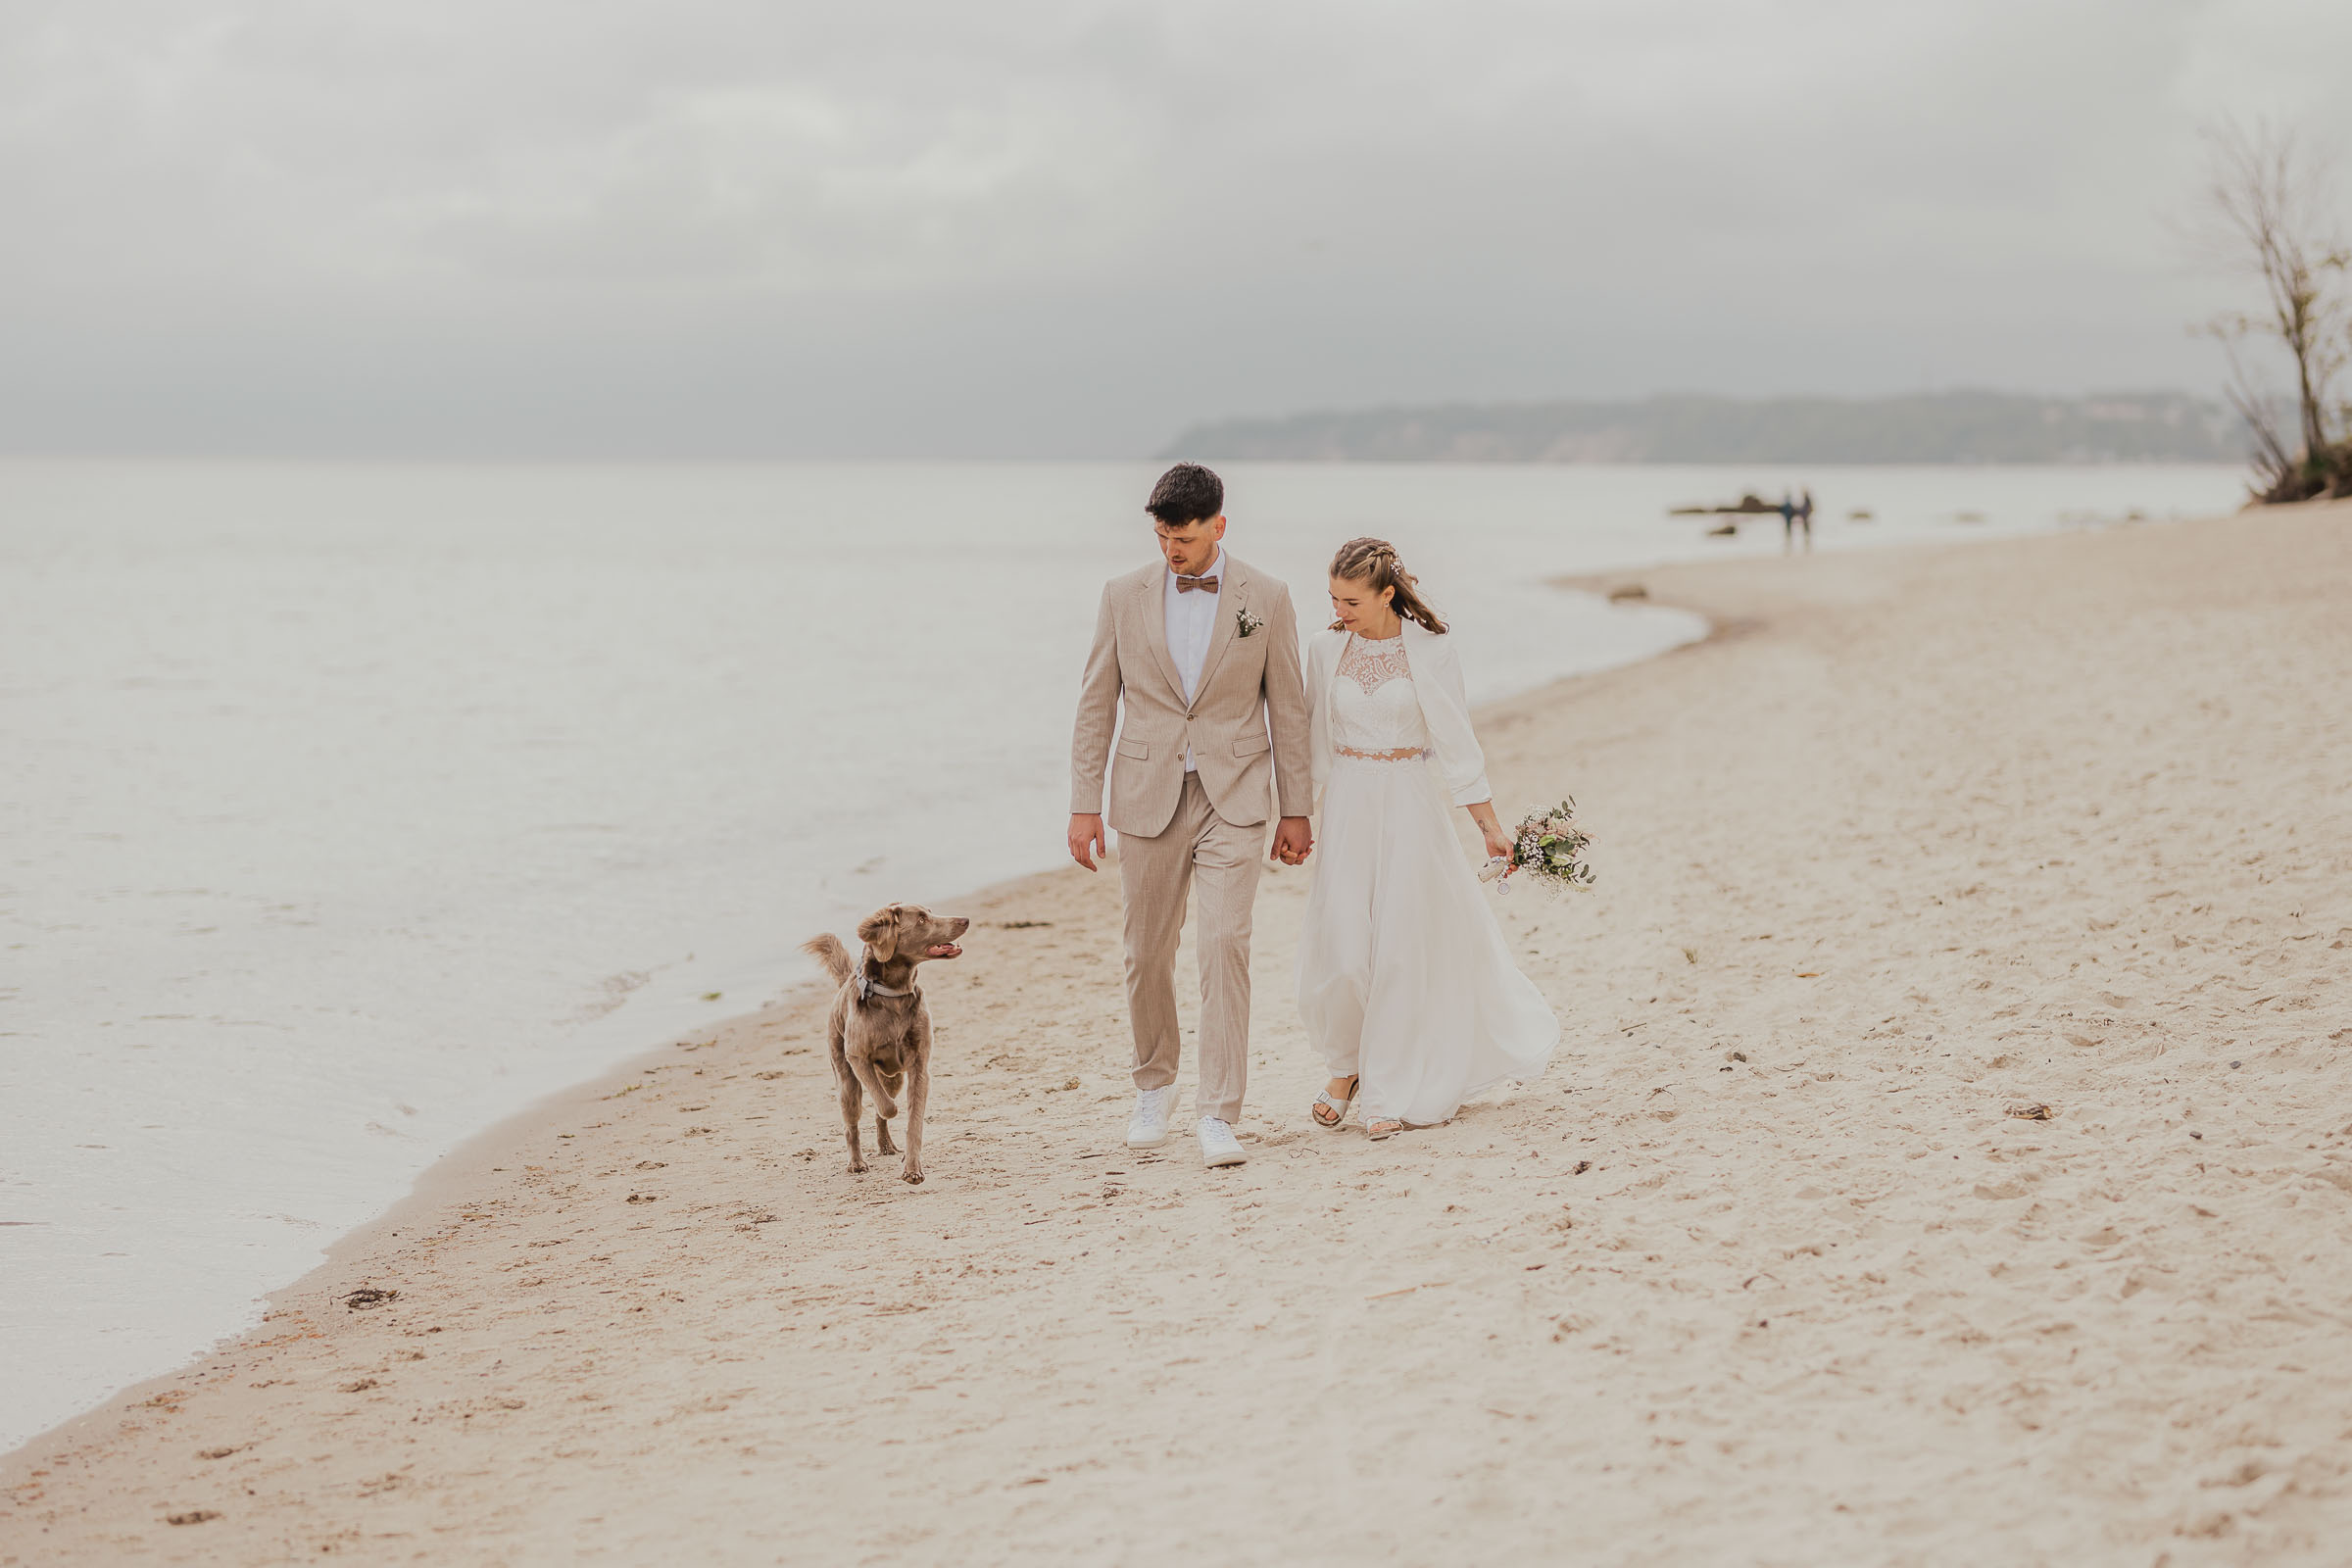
1374,561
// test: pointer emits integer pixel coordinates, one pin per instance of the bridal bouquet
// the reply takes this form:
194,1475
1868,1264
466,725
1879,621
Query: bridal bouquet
1550,846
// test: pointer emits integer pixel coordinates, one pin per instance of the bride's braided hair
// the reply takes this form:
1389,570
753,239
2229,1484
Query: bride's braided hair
1374,561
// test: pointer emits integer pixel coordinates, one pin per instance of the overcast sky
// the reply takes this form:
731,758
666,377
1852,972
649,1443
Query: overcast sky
1032,228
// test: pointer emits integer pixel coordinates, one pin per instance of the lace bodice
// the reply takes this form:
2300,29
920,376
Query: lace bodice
1374,708
1373,664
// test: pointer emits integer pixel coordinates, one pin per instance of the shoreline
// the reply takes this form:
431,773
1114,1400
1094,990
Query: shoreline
450,1175
471,1159
1768,620
620,884
469,1155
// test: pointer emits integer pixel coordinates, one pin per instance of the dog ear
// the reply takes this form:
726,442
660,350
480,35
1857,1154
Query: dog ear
880,932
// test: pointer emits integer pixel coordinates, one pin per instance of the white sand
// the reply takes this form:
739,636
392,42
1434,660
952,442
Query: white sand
1921,835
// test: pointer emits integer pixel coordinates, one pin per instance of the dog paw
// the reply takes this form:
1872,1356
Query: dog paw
859,1168
913,1178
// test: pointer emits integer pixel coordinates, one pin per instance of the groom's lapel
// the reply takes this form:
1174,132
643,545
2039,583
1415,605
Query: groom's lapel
1230,604
1152,602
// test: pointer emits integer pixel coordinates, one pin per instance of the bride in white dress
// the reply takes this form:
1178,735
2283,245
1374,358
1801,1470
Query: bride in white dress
1405,981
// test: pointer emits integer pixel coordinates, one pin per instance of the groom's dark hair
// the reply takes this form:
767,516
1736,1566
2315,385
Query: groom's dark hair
1186,493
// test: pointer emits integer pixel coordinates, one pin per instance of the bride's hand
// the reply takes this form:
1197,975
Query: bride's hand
1499,844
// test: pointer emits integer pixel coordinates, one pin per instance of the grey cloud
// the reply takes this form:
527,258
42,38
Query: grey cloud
1065,228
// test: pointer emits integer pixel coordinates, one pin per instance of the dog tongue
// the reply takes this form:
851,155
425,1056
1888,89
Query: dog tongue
946,949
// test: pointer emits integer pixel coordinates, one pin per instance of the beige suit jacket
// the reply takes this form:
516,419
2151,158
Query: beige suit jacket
1247,725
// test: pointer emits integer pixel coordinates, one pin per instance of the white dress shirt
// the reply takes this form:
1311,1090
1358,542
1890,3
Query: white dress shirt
1192,622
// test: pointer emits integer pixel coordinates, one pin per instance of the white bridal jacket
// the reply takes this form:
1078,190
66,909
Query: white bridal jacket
1436,673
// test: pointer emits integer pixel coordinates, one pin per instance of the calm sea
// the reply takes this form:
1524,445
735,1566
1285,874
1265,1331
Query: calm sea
348,808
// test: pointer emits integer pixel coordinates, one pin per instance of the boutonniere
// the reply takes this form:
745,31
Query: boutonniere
1245,624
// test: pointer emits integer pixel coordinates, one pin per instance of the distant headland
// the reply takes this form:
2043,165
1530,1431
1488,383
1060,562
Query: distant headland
1921,427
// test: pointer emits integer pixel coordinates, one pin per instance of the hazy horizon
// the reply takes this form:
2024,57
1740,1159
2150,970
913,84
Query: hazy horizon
1049,230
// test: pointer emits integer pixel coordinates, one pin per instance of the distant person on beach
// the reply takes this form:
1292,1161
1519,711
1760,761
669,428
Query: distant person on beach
1194,674
1792,515
1405,984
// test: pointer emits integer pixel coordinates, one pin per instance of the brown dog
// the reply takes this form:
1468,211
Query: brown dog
880,1030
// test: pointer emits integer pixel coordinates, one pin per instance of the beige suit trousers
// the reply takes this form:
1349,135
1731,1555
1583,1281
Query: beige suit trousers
1155,876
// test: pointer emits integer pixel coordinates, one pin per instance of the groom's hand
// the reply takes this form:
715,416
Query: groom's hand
1086,838
1292,841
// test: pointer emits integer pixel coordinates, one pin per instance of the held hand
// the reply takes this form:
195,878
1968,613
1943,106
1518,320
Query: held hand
1293,840
1086,838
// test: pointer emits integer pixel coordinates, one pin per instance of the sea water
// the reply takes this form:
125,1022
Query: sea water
345,810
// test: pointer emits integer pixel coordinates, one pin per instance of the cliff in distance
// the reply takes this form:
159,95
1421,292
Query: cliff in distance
1923,427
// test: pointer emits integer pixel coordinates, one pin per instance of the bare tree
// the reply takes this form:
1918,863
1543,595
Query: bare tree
2271,201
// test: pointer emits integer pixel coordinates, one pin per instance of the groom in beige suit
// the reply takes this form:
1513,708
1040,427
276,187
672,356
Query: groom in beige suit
1203,653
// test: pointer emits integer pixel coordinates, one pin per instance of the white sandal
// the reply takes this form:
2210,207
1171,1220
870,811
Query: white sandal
1377,1128
1337,1108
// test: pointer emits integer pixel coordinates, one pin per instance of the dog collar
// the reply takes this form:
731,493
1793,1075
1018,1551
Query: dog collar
869,987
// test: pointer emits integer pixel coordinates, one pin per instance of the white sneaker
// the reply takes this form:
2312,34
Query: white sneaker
1219,1146
1148,1128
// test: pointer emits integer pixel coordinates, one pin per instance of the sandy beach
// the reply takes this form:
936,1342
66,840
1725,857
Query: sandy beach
1768,1269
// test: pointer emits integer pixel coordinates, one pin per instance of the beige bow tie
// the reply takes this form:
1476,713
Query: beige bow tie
1185,585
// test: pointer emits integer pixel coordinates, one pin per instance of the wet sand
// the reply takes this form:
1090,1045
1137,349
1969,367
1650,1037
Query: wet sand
1768,1269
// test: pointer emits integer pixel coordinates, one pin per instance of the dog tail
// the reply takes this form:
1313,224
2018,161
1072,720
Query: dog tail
829,951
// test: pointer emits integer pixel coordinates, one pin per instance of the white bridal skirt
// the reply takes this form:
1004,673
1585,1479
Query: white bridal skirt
1403,975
